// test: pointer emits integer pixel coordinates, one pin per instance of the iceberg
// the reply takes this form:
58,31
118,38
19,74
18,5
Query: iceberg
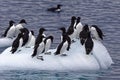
76,59
5,42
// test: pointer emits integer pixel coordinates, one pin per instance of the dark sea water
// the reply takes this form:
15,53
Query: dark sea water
104,13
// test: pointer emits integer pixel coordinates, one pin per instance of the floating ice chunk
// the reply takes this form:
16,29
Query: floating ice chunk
76,59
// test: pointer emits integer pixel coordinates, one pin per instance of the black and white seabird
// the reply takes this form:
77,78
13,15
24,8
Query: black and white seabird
67,37
10,31
17,43
89,44
38,48
71,32
96,32
55,9
83,34
63,46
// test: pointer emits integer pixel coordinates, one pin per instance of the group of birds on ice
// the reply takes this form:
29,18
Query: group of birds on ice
24,38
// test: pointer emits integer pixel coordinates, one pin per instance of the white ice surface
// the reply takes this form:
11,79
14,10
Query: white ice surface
76,59
5,42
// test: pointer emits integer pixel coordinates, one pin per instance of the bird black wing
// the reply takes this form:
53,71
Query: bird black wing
100,33
45,41
35,50
37,41
15,45
69,43
25,39
59,48
70,30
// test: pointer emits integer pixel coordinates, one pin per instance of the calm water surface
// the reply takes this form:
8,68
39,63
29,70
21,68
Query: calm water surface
104,13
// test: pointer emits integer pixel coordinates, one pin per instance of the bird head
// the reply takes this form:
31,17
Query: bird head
23,21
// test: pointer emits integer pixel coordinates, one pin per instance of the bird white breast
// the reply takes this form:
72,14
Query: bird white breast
94,33
58,10
20,42
75,24
44,36
17,28
40,48
79,29
47,45
11,32
64,47
61,38
32,41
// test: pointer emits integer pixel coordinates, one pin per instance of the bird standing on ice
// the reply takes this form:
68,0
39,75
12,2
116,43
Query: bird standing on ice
71,32
10,31
55,9
63,46
96,32
38,48
67,37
